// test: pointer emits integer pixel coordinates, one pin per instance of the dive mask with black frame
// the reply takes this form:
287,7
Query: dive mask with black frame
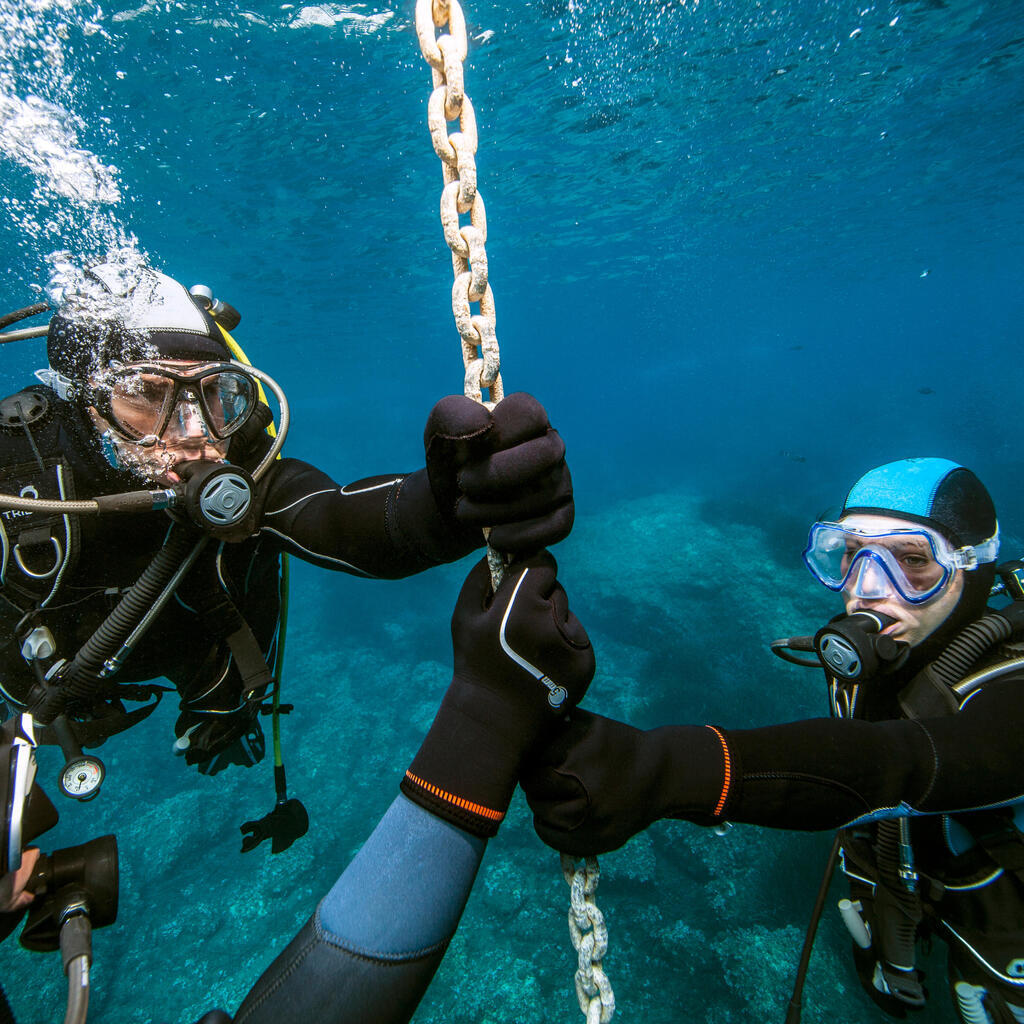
141,400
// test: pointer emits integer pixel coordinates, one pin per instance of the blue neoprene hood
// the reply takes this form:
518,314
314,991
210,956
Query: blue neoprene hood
935,492
908,486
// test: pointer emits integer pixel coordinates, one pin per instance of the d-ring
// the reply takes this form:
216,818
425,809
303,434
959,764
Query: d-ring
40,575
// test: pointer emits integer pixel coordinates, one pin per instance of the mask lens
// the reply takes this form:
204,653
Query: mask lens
138,403
827,555
915,558
142,404
228,400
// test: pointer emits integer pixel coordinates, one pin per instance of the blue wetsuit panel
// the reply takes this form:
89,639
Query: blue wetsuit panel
373,945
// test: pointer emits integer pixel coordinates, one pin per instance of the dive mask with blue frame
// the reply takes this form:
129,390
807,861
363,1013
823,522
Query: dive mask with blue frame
914,563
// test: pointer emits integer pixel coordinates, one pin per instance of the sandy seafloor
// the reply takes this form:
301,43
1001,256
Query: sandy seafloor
743,252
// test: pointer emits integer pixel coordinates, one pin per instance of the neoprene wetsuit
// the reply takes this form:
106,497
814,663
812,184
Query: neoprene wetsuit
376,939
371,948
826,773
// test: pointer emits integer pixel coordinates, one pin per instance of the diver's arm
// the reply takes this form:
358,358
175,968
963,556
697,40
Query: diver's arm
384,527
602,781
883,769
374,943
371,948
504,470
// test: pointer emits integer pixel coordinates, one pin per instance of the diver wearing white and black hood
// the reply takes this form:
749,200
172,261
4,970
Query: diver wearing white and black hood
144,386
98,338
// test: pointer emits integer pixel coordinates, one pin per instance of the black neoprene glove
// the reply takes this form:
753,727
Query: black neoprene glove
597,782
522,659
504,469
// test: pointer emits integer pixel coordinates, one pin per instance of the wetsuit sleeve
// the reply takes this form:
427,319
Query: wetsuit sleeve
823,773
384,526
371,948
597,782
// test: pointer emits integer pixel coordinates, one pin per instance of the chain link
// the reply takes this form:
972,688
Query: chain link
457,151
482,361
589,938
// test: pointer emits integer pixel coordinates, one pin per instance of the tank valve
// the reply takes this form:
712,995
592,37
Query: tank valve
224,313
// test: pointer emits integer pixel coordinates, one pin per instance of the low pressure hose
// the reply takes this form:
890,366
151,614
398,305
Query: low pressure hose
972,642
76,952
135,603
23,314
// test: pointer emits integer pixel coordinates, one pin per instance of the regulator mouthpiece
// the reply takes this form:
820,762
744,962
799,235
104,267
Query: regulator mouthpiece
218,498
853,647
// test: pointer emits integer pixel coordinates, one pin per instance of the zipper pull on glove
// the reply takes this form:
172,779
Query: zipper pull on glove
522,660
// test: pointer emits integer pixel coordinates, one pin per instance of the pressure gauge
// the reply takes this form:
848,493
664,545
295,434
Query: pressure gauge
82,777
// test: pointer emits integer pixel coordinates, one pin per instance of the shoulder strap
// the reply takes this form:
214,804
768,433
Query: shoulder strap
927,696
37,549
222,614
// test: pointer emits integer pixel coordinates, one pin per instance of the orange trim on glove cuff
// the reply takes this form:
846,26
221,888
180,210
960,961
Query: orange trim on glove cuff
726,772
457,801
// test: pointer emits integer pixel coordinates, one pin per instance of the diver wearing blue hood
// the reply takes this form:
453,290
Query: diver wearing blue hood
919,767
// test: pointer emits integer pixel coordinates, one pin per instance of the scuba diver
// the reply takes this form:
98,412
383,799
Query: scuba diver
918,767
147,389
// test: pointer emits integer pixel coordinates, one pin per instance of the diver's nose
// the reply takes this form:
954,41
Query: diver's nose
869,580
187,422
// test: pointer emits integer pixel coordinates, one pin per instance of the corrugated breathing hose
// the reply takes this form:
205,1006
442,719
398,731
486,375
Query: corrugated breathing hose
82,678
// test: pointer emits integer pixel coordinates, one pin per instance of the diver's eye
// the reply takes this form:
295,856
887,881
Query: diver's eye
916,561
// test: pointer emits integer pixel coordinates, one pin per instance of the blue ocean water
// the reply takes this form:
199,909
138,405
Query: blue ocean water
742,252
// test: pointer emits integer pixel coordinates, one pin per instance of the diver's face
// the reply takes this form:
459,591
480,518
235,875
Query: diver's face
914,622
185,439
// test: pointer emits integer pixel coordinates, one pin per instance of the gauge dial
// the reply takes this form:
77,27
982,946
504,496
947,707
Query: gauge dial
82,777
